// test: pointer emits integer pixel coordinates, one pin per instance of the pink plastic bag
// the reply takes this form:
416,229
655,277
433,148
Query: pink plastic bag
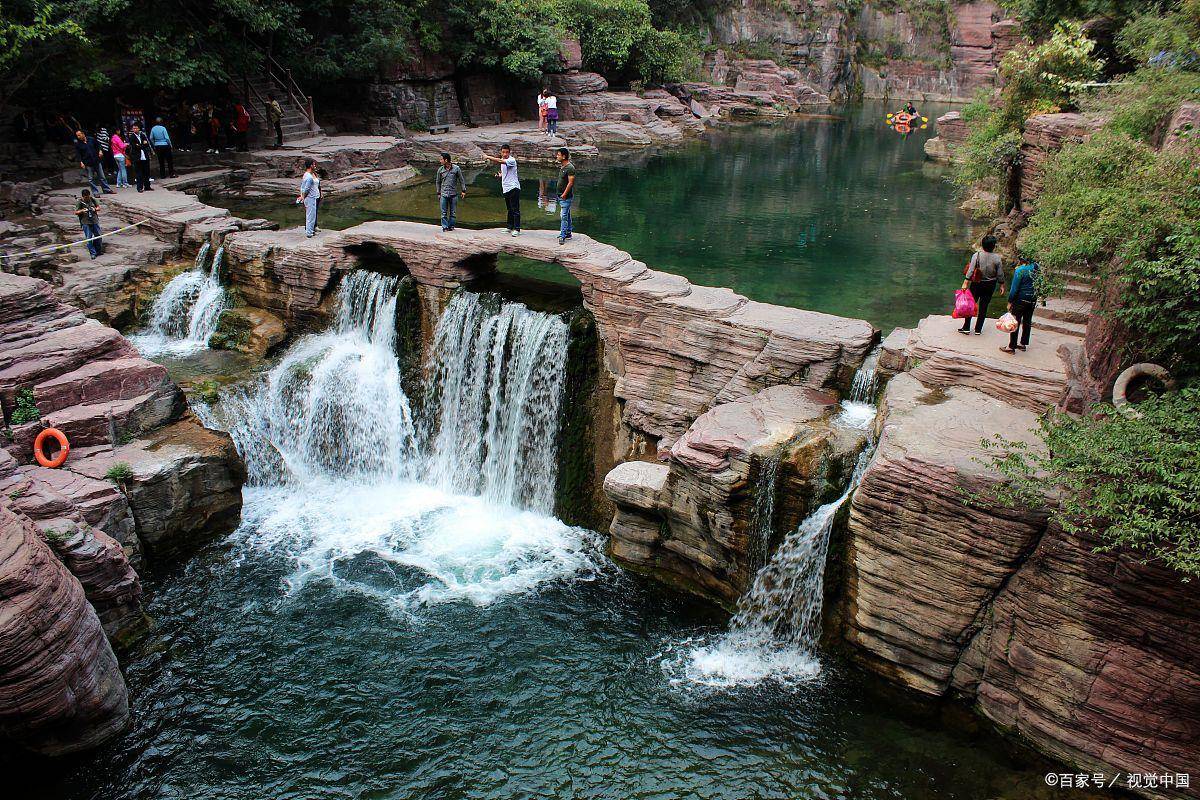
1007,323
964,304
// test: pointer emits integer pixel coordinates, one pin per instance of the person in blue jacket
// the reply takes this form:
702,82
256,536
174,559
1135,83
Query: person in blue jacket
310,197
1022,296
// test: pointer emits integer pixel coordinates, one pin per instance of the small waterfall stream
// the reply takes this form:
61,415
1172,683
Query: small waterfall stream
456,503
776,628
185,315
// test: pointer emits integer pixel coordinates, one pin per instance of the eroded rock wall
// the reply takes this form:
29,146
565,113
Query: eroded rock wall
1088,657
694,520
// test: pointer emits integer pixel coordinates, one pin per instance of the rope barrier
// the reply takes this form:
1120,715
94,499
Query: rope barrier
8,259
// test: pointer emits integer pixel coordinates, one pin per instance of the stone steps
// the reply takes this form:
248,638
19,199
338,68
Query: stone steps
1076,290
1065,309
1064,327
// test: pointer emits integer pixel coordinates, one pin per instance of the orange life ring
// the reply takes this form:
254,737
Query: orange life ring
903,117
64,447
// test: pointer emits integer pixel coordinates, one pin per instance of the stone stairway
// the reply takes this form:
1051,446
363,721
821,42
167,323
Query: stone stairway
295,122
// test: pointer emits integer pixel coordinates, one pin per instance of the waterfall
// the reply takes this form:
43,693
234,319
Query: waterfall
185,315
333,405
777,626
762,523
497,375
858,410
340,484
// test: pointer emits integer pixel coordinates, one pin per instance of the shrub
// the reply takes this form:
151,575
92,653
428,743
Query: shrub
608,30
1133,480
1140,103
665,56
1134,213
119,473
26,410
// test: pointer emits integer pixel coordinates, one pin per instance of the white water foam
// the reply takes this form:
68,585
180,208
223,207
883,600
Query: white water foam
338,476
777,626
185,315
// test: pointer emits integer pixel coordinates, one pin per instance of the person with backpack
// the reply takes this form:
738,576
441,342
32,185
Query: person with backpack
87,152
1022,297
984,273
87,210
275,115
551,114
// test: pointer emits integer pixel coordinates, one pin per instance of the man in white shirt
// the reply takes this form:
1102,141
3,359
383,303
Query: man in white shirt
510,186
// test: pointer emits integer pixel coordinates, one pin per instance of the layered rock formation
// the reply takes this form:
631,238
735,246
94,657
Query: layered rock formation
1045,135
692,521
1089,657
740,88
60,687
885,49
951,130
116,408
676,349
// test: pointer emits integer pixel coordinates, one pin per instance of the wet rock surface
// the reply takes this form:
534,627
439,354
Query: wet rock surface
691,521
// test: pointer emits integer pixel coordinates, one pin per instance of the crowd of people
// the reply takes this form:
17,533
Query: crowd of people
451,186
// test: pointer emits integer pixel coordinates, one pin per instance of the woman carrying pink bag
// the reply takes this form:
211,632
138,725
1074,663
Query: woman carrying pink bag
984,274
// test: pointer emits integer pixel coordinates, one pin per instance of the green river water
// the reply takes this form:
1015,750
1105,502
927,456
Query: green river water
837,215
384,638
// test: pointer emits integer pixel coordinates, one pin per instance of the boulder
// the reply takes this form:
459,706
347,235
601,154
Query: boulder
61,689
694,522
248,330
571,83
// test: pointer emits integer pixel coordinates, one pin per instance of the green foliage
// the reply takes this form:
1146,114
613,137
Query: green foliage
1139,103
1040,16
119,473
518,37
26,410
665,56
1039,79
1117,205
37,37
1171,38
608,30
1131,479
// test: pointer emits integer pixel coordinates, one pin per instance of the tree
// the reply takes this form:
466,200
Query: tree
36,35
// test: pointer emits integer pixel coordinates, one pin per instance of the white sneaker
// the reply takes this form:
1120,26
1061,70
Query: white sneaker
516,233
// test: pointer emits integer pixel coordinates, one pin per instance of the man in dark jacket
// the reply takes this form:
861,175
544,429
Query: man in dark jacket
1022,296
140,152
89,160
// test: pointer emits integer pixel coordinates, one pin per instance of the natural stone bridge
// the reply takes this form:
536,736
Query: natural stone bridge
676,349
709,384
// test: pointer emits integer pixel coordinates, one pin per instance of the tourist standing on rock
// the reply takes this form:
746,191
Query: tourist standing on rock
140,150
275,115
118,150
88,212
984,274
510,187
566,193
1022,296
551,114
541,101
89,162
161,141
450,186
310,196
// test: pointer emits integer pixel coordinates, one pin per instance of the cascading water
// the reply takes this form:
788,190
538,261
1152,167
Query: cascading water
777,626
764,510
497,384
338,478
858,410
185,315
